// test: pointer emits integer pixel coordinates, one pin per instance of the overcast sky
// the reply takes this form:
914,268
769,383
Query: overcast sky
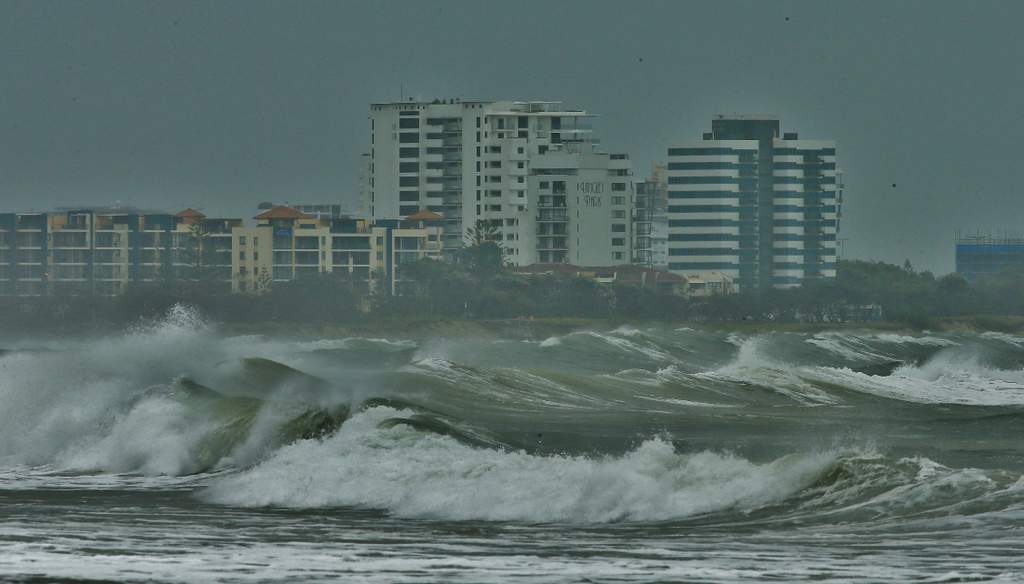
220,105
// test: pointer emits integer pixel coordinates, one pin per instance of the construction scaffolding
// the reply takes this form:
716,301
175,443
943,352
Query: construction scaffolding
980,254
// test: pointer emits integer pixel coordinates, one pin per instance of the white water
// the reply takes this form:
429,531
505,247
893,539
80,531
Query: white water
753,367
413,474
947,377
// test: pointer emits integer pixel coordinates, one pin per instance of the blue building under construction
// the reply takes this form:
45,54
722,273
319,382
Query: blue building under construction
978,255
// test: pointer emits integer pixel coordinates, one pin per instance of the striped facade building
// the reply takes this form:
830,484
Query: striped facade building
759,207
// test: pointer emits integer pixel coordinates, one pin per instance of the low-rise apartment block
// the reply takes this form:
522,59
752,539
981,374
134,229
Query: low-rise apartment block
104,251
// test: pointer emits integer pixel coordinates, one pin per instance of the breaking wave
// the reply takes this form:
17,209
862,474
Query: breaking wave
631,424
413,474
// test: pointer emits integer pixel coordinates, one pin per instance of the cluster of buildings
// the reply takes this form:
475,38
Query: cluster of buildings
747,206
102,251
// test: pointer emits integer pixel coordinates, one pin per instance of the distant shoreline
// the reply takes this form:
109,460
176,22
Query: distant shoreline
542,328
538,329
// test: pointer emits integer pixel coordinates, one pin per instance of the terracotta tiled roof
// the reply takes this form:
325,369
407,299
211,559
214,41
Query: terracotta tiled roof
283,213
424,215
548,268
191,214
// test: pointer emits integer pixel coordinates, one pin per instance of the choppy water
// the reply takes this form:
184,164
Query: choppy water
176,453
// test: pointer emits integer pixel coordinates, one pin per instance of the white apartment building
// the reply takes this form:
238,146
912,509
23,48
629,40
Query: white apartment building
758,207
531,170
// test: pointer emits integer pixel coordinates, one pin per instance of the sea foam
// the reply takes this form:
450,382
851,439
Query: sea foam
415,474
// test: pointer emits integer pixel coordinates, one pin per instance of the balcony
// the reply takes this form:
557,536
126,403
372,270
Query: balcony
552,244
552,216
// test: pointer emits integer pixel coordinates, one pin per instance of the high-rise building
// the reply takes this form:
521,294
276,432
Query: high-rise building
760,207
530,171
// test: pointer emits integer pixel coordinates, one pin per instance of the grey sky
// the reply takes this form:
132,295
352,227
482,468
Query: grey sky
221,105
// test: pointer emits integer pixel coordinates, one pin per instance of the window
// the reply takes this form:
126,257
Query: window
409,122
618,241
618,187
407,196
241,240
408,167
407,210
241,256
408,152
408,181
618,255
618,214
618,228
618,200
545,184
408,138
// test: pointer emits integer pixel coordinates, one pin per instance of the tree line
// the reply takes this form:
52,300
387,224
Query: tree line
478,285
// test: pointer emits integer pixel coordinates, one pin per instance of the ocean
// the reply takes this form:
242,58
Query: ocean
176,452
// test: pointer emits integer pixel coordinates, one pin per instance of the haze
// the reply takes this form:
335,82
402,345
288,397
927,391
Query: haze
222,105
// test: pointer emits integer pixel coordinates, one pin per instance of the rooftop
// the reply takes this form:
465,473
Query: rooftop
436,101
771,117
282,212
424,215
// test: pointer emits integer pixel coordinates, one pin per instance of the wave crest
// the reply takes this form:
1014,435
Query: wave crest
415,474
